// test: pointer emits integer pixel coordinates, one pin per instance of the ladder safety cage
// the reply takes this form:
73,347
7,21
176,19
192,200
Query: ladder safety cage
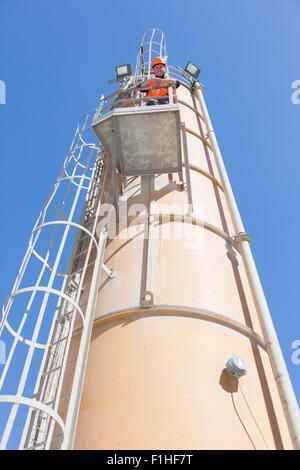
47,319
49,300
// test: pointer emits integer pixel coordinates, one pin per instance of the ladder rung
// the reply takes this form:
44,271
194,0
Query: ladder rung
58,341
51,370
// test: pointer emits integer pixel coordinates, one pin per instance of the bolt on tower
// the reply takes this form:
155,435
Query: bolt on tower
138,287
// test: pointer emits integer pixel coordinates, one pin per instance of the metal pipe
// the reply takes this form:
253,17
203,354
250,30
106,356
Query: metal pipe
280,371
82,357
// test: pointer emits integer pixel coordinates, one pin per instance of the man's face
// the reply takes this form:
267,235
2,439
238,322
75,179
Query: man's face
159,70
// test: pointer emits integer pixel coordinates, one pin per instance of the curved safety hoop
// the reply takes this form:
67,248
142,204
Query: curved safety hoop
73,224
86,144
43,212
48,290
15,400
86,188
21,338
69,177
81,165
78,150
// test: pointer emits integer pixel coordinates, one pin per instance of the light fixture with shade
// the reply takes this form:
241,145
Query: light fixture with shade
123,71
236,367
192,70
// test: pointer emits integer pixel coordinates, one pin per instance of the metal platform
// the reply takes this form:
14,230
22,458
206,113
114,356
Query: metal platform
144,140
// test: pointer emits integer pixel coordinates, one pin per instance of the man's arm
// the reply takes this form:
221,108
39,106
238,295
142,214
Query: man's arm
157,81
145,84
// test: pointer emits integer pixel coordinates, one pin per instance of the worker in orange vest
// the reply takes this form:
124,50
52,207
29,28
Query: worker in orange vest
159,95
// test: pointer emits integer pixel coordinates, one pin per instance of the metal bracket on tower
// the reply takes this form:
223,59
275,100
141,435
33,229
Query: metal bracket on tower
110,272
239,238
147,299
207,134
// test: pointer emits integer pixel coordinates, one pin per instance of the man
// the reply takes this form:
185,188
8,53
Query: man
159,95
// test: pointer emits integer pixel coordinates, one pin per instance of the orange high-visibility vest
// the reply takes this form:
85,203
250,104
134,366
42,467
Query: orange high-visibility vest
159,91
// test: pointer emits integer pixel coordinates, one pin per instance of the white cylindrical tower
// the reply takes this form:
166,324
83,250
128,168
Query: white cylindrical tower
151,331
180,305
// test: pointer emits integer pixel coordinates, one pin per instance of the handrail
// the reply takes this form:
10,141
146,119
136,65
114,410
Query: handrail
127,95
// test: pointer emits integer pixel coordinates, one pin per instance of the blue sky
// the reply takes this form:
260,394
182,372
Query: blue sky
56,58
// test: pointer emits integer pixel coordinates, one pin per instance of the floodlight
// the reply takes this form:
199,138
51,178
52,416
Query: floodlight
123,71
192,70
